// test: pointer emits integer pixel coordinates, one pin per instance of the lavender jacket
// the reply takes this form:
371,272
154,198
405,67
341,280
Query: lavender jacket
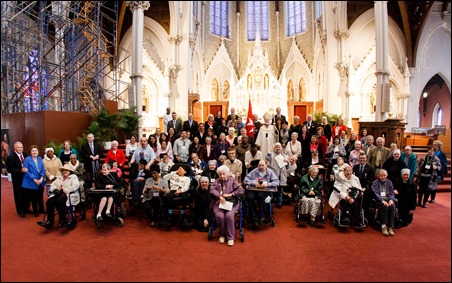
230,186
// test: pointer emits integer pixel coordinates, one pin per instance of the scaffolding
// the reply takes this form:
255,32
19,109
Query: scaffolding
58,55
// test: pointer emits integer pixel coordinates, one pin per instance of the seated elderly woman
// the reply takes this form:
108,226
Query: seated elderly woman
65,185
225,188
384,193
311,193
346,190
106,180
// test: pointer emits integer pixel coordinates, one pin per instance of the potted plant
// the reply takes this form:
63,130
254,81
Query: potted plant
106,124
128,121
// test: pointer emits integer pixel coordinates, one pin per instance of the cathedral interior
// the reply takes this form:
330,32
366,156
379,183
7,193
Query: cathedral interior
364,60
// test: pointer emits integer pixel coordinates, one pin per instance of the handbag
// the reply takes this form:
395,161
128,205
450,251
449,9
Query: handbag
232,199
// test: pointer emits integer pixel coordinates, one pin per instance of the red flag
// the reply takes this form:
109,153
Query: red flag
250,121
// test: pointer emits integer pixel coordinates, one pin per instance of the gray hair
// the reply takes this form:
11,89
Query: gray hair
223,169
396,151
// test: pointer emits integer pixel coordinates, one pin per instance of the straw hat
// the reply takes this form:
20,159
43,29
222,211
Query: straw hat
67,167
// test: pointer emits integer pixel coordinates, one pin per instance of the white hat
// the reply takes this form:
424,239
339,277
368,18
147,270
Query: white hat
405,170
49,148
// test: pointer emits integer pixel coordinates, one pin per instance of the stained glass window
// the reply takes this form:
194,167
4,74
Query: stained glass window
296,17
257,19
219,15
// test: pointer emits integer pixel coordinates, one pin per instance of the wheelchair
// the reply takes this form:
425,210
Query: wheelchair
74,212
299,217
179,203
268,206
237,222
348,215
117,212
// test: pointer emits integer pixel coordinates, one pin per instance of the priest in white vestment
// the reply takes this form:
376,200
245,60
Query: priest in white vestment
266,137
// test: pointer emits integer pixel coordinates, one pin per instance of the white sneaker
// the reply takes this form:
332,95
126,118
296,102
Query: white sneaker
221,240
230,242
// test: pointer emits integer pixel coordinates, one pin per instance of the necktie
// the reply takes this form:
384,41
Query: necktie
92,147
361,169
190,123
21,158
378,158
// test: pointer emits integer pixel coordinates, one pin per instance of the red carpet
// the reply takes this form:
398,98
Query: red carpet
286,252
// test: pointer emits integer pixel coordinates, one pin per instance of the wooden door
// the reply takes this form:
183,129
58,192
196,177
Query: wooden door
197,112
301,111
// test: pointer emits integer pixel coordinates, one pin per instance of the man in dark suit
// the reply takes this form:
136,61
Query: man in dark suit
201,133
14,165
366,176
230,115
312,126
90,153
278,115
176,124
190,126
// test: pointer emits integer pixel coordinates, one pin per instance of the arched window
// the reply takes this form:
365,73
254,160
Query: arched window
296,17
437,115
257,19
219,15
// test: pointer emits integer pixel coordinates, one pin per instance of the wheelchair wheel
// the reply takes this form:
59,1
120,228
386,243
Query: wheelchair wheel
242,234
98,224
119,222
71,225
209,234
335,221
82,214
123,210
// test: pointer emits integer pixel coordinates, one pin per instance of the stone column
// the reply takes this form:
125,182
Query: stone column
381,34
137,8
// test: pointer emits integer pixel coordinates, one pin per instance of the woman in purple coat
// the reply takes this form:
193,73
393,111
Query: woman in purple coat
225,188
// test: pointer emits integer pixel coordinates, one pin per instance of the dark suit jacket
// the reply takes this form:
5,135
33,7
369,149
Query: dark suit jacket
85,152
367,177
283,118
202,139
14,166
177,127
312,129
193,129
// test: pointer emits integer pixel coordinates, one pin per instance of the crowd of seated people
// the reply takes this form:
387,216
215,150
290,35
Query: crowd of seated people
277,151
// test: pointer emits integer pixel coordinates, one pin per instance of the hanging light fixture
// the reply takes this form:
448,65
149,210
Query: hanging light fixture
424,96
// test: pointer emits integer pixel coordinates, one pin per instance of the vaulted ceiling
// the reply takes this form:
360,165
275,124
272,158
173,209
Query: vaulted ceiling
410,16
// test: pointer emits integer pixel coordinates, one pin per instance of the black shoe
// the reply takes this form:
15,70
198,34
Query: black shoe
36,214
431,201
62,224
312,223
109,215
418,204
21,214
47,224
424,205
279,206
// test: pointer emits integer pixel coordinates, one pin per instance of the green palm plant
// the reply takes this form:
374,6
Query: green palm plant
106,125
128,121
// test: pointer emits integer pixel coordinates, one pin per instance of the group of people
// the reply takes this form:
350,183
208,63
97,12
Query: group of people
225,161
